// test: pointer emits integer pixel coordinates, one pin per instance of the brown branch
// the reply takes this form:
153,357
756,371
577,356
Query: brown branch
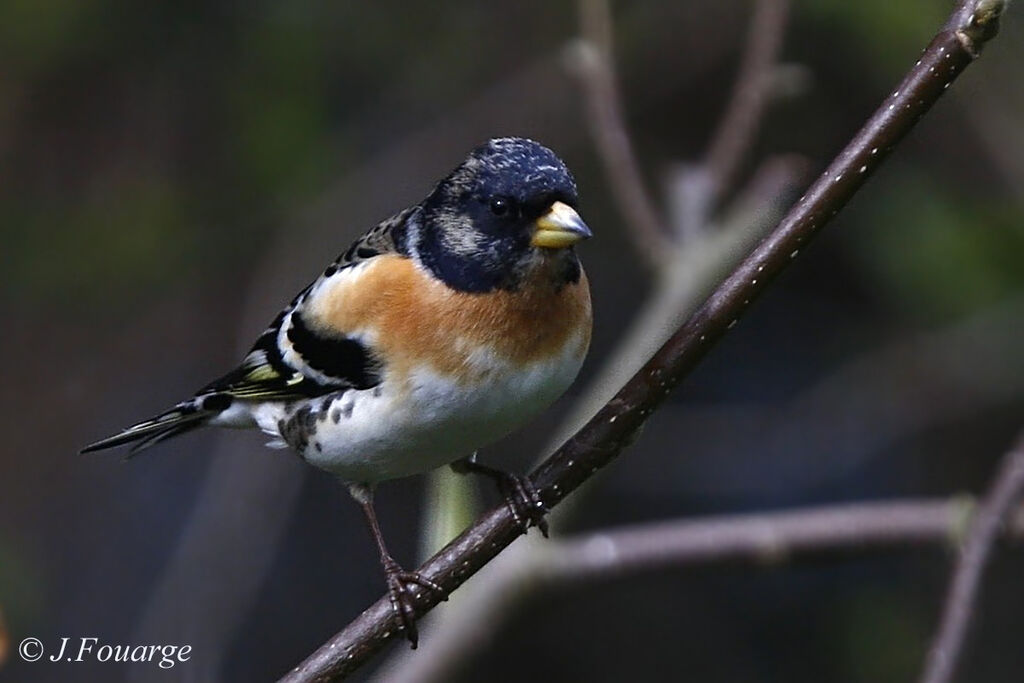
479,609
616,425
764,538
686,279
607,125
993,513
738,126
761,539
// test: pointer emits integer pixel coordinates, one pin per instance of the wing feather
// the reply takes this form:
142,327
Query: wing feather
295,359
291,360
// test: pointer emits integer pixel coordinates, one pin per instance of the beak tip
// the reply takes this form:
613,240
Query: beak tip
560,227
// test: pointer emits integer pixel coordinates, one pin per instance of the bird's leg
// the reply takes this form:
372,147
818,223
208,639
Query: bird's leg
521,496
399,581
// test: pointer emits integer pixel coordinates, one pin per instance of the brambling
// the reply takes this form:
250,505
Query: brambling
438,331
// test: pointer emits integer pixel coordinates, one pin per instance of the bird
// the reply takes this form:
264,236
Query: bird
440,330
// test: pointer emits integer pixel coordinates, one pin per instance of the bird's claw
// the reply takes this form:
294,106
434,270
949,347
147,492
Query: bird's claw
401,592
523,501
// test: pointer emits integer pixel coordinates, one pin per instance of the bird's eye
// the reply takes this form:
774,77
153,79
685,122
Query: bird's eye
500,206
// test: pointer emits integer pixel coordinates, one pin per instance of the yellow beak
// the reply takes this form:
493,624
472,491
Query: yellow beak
559,227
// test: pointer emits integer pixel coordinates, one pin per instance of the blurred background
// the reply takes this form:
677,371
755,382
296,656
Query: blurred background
171,173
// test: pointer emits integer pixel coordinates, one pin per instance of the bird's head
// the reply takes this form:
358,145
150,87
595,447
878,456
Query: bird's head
506,210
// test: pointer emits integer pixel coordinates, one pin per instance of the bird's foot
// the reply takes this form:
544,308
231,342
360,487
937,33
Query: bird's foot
401,591
521,496
523,500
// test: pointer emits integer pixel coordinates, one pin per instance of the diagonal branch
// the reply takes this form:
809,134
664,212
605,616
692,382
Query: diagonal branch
616,425
993,513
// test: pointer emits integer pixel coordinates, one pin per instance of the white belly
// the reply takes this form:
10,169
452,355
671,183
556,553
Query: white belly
415,425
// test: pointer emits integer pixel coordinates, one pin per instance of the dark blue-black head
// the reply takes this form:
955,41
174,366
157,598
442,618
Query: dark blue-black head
506,211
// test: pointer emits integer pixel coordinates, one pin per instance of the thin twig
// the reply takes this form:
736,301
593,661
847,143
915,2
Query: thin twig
604,114
616,425
765,537
738,126
698,188
992,515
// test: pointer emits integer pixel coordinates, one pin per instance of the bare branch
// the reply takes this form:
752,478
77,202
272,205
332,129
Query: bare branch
992,515
738,126
593,62
699,187
684,277
764,539
479,609
616,425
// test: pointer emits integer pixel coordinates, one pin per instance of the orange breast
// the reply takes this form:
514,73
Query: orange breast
412,319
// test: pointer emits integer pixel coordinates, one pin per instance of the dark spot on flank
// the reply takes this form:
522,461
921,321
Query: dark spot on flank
319,448
304,417
331,270
377,391
366,252
336,415
346,409
217,402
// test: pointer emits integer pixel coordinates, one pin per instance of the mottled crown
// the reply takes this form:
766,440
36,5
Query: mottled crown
513,167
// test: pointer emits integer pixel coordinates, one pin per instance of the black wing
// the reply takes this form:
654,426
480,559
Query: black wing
325,363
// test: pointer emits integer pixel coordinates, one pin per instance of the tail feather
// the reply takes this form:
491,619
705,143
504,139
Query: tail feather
182,418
